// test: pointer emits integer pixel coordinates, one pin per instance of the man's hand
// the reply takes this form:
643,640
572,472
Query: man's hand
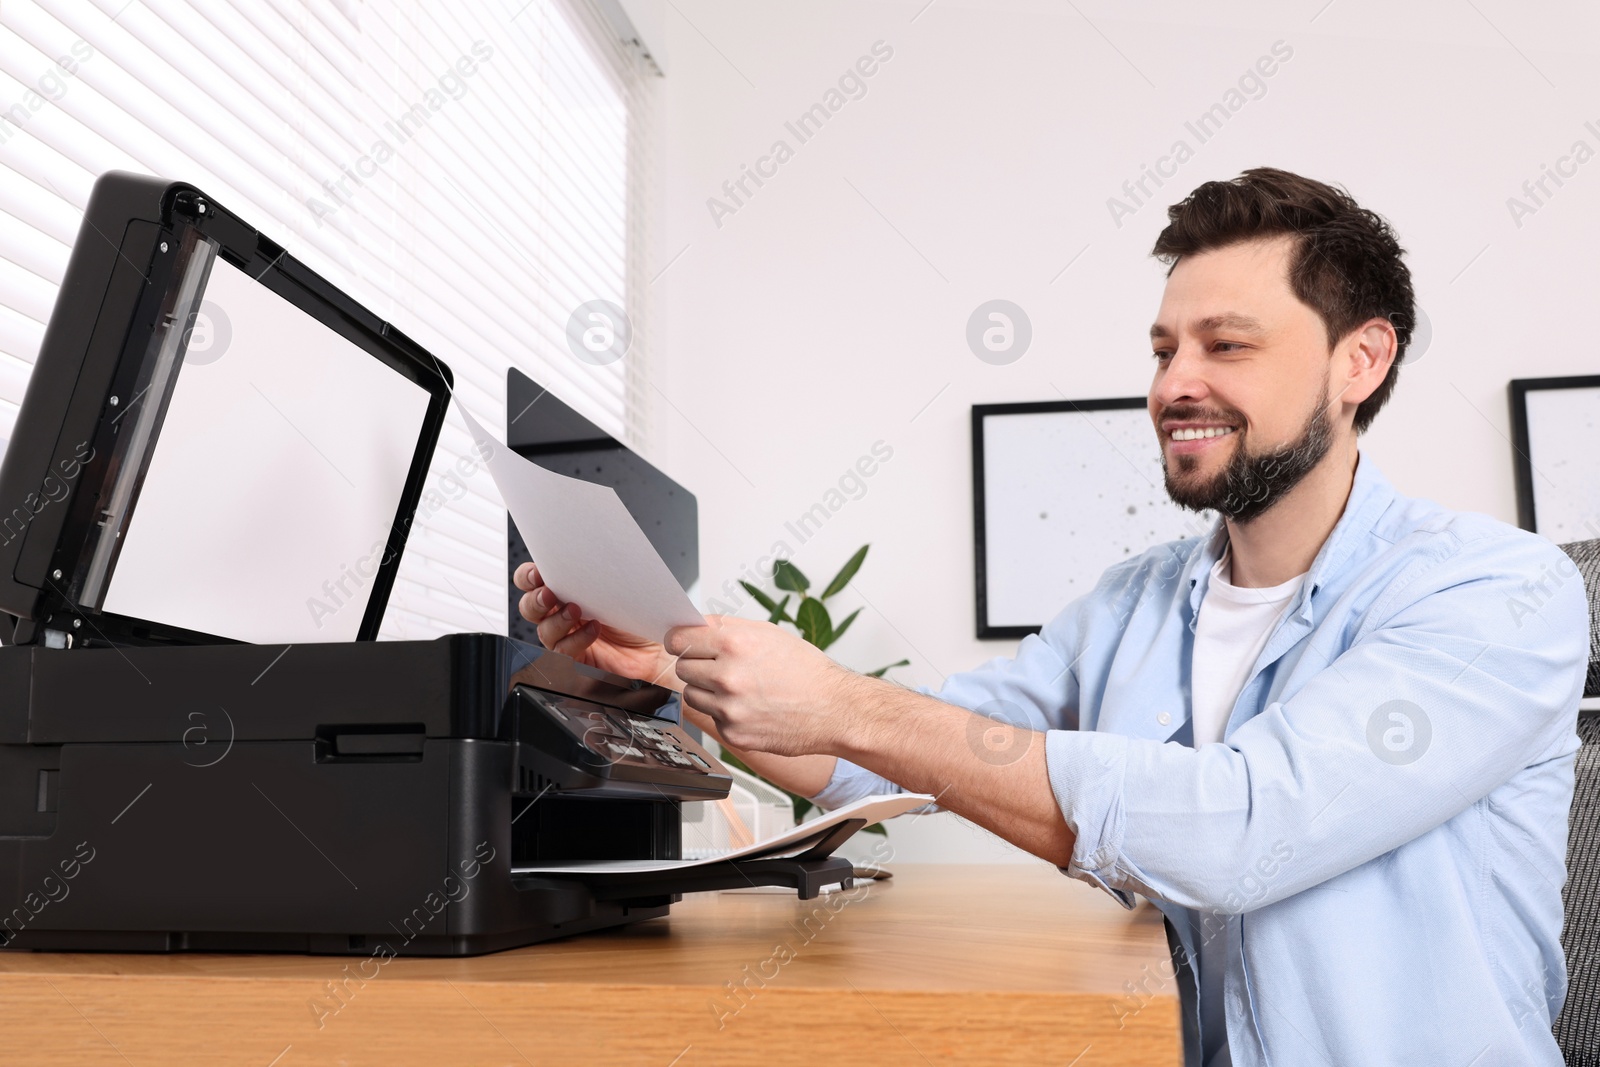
772,694
766,689
562,628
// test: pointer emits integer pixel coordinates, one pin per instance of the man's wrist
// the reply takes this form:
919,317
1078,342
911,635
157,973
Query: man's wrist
857,713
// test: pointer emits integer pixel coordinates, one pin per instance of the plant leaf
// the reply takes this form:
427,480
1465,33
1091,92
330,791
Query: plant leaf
838,631
879,672
847,572
786,575
812,618
778,614
761,598
801,806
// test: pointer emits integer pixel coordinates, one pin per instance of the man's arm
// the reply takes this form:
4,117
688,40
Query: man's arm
1309,786
987,771
767,691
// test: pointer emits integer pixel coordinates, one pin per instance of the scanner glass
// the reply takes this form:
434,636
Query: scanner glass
271,489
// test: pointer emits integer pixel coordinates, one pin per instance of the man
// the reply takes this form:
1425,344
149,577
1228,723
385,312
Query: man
1332,739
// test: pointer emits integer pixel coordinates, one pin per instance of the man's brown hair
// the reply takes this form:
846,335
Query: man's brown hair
1345,265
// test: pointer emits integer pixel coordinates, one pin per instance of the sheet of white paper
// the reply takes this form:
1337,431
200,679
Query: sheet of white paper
790,842
589,549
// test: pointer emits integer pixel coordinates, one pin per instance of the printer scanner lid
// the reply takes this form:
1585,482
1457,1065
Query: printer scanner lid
216,443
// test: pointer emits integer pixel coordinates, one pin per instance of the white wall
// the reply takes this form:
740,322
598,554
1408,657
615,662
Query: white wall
829,311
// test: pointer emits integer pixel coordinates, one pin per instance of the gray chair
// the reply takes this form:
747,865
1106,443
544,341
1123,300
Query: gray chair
1577,1028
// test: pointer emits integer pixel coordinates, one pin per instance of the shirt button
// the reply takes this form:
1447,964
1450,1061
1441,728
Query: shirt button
1164,719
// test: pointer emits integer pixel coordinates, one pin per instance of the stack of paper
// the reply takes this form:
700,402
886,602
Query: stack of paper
789,843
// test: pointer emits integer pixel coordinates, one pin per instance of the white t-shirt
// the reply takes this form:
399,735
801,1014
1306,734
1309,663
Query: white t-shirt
1230,633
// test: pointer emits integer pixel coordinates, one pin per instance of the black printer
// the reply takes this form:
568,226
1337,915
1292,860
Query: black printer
203,507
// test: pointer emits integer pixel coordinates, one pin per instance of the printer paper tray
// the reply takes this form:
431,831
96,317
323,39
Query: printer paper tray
806,876
813,839
806,871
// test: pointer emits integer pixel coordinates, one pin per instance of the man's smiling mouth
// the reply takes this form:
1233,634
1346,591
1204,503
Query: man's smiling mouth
1198,434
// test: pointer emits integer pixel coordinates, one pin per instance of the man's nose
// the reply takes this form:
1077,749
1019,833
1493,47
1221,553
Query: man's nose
1182,378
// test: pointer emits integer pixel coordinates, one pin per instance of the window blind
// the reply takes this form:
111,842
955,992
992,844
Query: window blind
472,172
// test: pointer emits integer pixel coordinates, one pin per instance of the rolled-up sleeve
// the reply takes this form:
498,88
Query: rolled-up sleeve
851,782
1087,772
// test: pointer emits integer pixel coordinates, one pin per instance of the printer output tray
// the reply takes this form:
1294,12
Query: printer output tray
364,798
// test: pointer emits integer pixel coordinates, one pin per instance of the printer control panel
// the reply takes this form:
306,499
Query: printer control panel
622,736
614,751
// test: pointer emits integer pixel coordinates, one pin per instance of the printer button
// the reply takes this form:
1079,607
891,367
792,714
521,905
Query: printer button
604,725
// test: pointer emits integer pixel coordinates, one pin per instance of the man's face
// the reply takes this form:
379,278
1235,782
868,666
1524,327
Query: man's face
1240,357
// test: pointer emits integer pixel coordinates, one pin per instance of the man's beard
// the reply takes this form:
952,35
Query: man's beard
1249,485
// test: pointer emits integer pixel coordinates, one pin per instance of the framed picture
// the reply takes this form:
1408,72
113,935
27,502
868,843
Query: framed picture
1063,489
1555,423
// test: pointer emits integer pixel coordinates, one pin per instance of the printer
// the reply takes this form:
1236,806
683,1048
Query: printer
203,746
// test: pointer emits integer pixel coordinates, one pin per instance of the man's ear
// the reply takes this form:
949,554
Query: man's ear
1369,352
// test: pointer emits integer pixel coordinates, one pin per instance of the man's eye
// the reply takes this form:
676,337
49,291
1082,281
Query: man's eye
1161,354
1229,344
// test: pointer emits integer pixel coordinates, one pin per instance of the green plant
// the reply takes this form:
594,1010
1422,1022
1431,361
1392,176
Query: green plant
816,627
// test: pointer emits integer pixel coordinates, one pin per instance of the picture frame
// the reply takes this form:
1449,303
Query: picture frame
1062,489
1554,427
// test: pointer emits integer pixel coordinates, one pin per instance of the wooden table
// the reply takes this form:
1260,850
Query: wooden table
939,965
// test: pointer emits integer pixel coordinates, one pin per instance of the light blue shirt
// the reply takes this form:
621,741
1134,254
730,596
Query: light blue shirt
1374,853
